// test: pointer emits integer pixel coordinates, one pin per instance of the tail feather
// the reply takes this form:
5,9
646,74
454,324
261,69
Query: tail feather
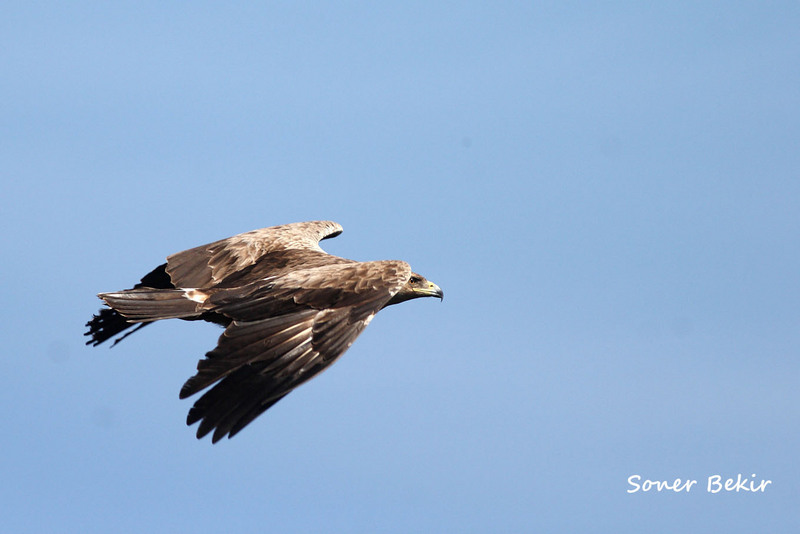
146,305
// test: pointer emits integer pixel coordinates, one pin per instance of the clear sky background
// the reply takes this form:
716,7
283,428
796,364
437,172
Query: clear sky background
607,193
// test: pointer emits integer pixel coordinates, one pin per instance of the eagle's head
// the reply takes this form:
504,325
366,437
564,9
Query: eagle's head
417,286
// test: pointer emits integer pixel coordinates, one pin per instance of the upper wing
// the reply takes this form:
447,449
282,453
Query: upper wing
284,332
207,265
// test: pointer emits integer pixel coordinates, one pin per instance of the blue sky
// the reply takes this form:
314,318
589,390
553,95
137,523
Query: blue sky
607,193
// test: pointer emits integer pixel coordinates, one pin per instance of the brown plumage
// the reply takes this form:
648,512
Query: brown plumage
289,310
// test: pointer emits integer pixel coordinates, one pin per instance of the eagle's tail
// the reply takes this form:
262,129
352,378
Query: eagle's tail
143,306
147,305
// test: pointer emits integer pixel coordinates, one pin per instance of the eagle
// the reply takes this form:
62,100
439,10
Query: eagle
289,310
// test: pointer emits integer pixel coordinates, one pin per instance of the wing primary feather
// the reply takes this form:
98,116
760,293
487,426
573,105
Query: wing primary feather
287,379
267,340
254,412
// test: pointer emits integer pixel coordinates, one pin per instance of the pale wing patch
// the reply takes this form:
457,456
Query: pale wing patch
195,295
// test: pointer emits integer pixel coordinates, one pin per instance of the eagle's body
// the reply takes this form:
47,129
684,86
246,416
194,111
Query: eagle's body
289,310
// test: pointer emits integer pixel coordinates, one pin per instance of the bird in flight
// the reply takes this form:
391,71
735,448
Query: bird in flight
289,310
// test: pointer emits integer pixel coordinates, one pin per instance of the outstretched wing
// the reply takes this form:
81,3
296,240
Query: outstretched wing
208,265
284,331
230,262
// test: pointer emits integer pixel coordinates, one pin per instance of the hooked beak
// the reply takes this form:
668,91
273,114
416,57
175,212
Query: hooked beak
431,291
